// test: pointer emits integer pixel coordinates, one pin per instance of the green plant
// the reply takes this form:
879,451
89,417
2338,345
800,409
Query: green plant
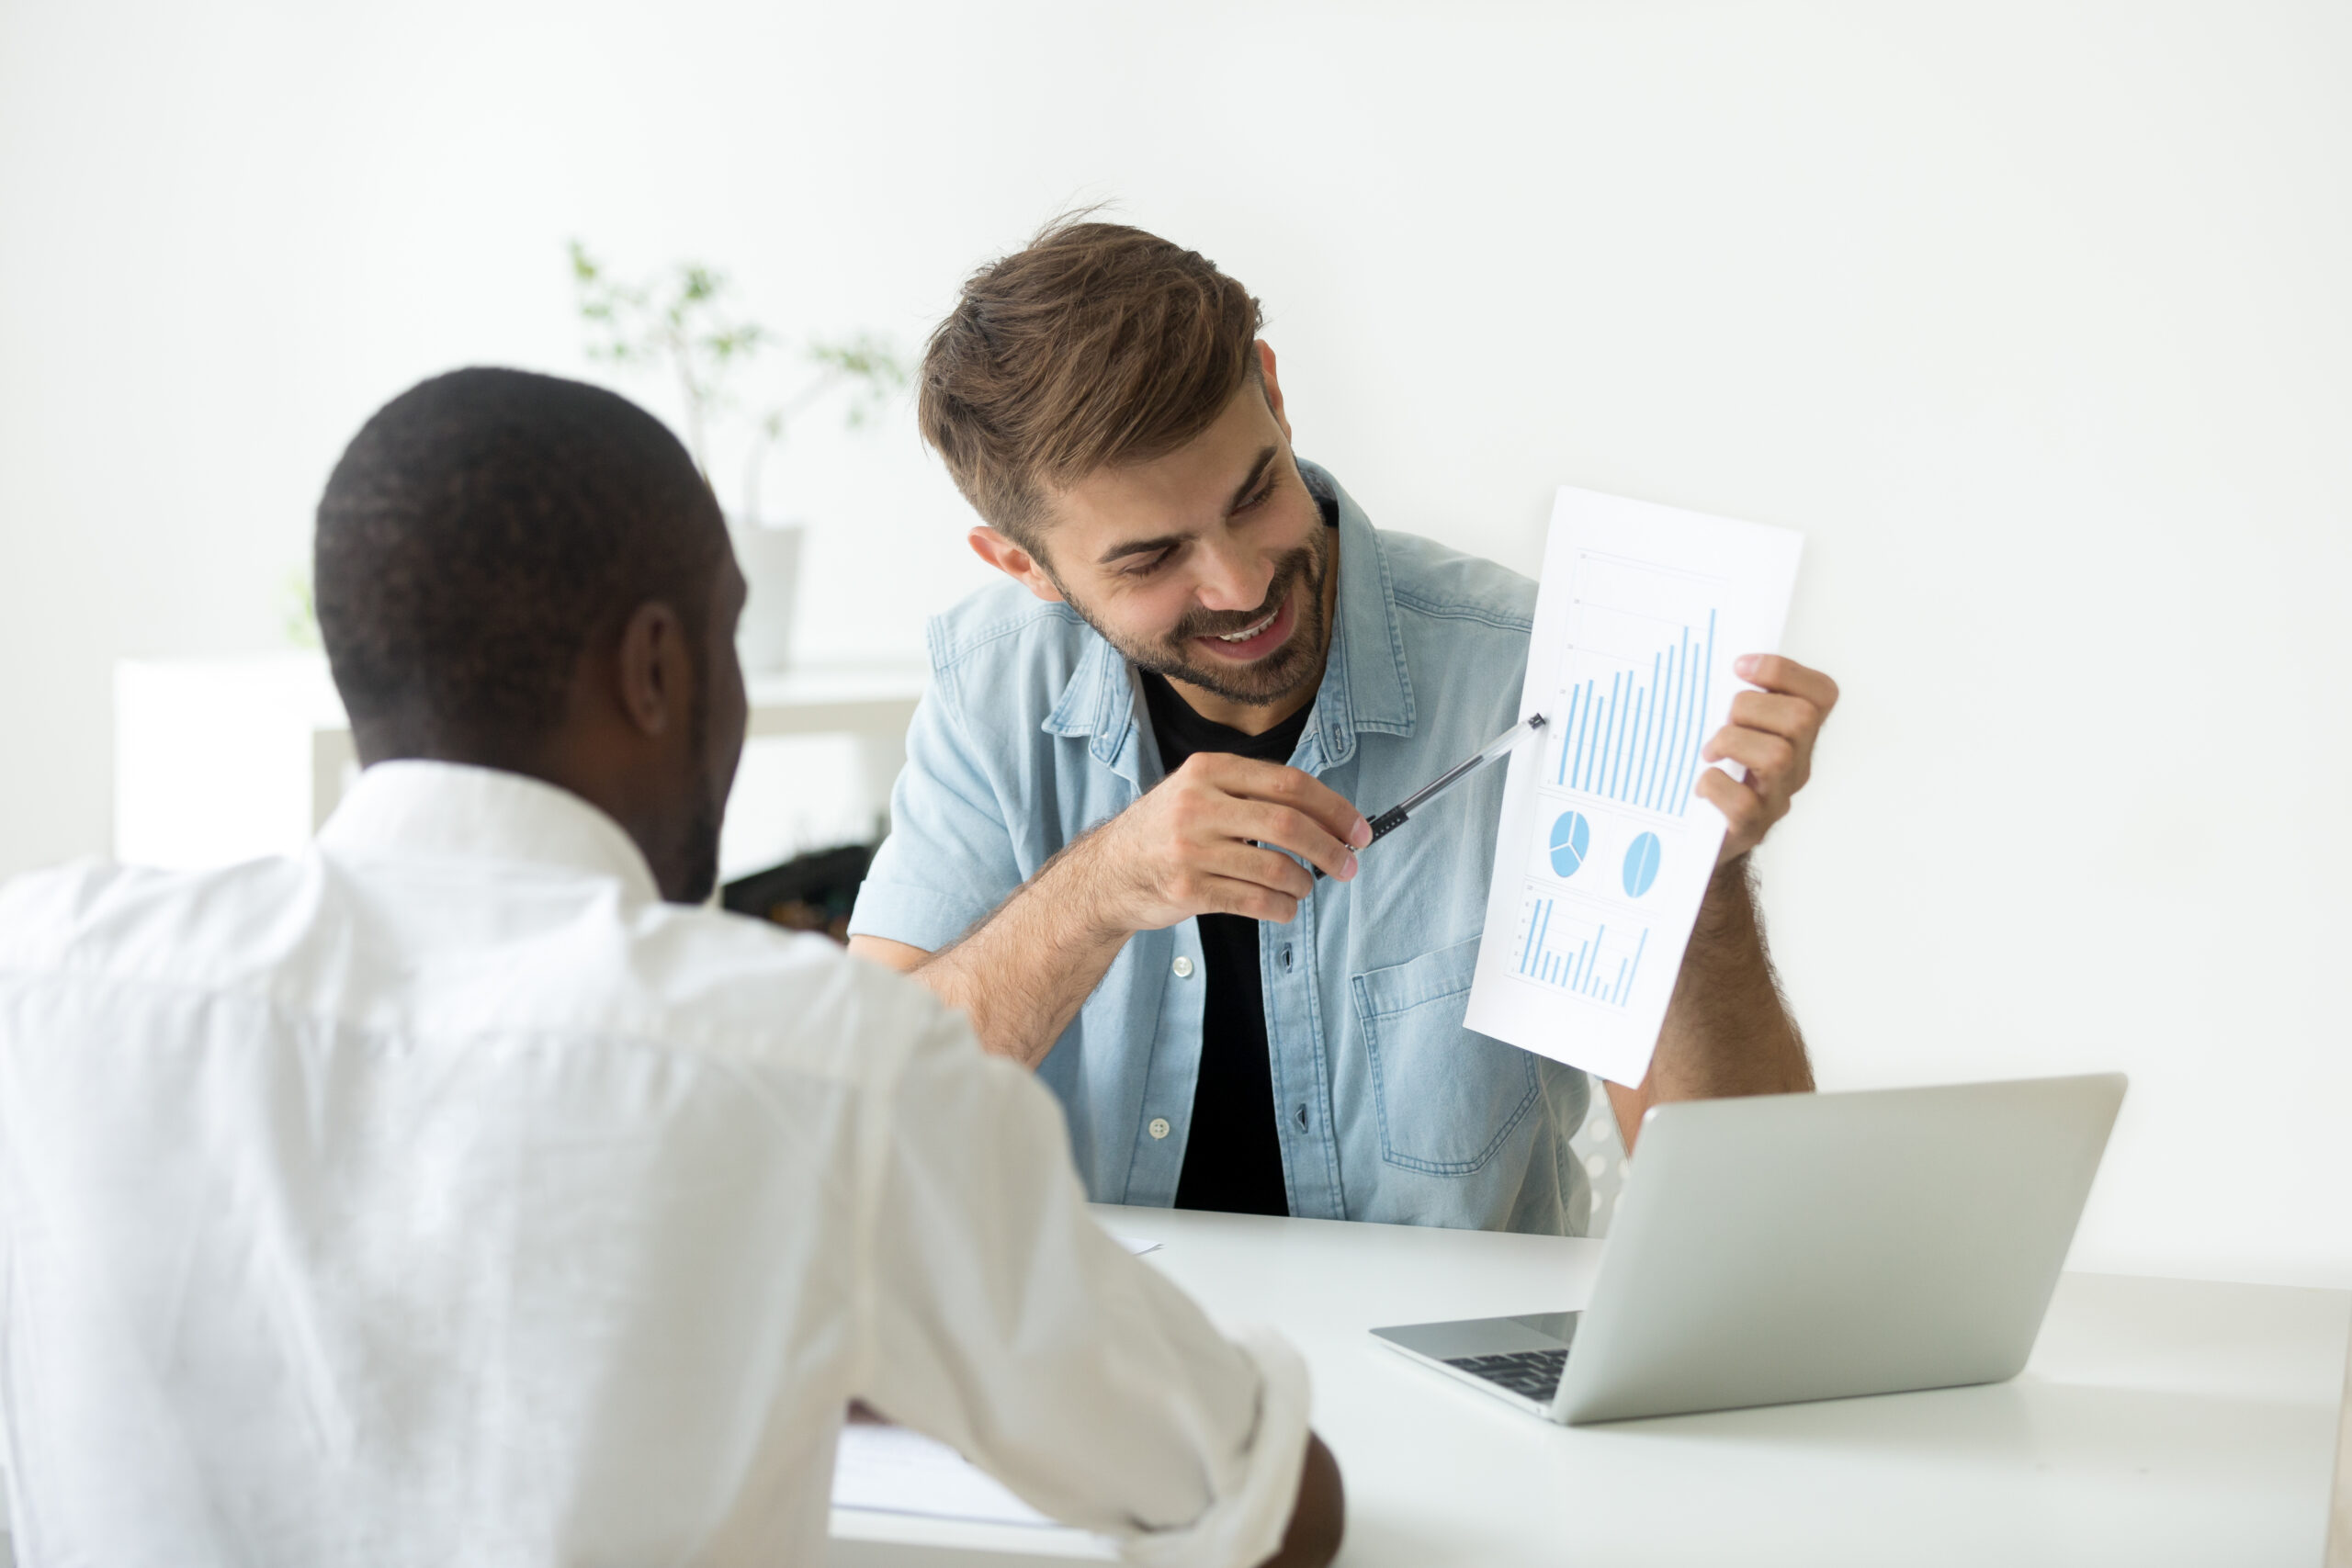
686,321
298,613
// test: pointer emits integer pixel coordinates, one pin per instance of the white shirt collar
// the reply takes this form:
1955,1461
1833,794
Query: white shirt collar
444,811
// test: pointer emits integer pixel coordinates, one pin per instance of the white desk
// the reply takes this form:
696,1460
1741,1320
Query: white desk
2160,1422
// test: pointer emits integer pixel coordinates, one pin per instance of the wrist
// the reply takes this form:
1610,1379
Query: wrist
1082,886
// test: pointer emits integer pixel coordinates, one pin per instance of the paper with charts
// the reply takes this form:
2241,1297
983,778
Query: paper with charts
1605,851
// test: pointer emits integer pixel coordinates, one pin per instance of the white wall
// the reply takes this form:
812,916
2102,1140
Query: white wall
2033,317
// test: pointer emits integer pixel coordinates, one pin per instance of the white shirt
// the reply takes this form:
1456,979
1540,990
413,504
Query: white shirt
442,1195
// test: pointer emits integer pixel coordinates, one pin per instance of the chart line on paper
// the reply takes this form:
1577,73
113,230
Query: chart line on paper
1636,739
1604,849
1571,951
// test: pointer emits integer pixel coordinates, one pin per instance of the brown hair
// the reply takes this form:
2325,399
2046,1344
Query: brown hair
1097,345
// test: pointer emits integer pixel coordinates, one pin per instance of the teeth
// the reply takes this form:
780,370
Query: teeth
1246,633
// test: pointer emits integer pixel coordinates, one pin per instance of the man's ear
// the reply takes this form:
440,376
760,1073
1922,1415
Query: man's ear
655,678
1273,387
1014,561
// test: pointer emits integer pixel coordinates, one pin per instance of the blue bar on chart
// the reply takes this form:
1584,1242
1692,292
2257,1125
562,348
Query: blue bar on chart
1638,739
1551,953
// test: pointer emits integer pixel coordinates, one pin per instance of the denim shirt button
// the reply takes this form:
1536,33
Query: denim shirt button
1183,967
1160,1126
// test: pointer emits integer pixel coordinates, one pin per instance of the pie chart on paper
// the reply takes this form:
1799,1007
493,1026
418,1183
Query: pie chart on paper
1571,837
1641,865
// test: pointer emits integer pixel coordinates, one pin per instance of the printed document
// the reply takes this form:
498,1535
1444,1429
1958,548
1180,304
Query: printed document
880,1470
880,1467
1605,850
889,1469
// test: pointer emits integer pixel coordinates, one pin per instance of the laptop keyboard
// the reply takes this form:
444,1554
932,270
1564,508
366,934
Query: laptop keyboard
1531,1374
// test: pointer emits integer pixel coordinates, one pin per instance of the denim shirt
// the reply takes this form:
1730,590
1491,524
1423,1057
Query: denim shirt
1034,730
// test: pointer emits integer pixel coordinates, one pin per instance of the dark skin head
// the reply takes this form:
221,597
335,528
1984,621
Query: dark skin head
630,742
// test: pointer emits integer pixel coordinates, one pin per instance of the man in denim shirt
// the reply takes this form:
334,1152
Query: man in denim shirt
1132,753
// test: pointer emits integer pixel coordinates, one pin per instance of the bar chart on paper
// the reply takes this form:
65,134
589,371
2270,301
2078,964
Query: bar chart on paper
1560,947
1606,847
1636,738
1637,690
1633,693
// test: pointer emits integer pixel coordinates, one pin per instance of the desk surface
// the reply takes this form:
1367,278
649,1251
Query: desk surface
2160,1421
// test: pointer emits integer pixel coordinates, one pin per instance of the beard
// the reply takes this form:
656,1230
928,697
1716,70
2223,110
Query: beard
1268,680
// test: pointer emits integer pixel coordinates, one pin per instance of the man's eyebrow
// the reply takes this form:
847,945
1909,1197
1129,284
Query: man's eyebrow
1140,547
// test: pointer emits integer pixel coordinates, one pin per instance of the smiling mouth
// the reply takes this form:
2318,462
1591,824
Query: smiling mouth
1254,641
1246,633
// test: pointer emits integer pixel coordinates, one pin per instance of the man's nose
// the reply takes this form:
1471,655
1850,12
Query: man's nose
1232,579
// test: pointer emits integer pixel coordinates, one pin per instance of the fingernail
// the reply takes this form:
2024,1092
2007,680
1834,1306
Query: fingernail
1744,666
1361,835
1348,869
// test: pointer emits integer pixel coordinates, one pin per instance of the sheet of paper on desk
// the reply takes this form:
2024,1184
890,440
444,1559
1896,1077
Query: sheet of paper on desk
889,1469
885,1468
1605,851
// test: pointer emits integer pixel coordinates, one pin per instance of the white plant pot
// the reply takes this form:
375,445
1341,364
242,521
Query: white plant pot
769,554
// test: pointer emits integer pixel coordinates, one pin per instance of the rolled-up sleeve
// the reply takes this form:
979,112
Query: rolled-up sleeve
949,859
1002,1320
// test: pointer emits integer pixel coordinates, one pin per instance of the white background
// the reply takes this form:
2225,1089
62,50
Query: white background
2033,317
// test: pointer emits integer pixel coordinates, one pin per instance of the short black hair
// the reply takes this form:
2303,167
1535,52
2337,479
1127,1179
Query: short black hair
479,532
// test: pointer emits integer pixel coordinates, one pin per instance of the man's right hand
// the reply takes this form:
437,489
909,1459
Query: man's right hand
1206,841
1319,1519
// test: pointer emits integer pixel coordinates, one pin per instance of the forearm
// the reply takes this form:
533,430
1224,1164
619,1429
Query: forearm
1215,836
1087,1382
1023,972
1727,1030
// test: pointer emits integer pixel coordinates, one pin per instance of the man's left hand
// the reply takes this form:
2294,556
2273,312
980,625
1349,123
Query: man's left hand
1771,734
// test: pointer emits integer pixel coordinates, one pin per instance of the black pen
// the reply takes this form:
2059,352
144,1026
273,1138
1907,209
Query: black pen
1393,818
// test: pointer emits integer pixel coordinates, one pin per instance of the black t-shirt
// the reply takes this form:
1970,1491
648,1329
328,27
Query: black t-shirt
1233,1156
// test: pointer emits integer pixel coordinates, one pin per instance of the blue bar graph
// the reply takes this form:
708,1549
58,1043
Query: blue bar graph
1636,738
1576,955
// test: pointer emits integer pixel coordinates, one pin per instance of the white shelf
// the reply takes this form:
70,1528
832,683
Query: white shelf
228,759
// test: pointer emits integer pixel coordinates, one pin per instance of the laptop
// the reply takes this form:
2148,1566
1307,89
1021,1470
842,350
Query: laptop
1796,1246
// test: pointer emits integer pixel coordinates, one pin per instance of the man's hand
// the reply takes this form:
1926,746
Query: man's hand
1202,842
1205,842
1726,1030
1319,1519
1771,734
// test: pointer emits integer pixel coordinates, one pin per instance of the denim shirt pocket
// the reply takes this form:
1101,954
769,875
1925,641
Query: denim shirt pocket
1446,1096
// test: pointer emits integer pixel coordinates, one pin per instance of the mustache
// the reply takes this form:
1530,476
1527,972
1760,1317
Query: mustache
1211,623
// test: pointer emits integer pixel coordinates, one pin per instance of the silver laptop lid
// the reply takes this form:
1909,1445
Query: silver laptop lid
1814,1245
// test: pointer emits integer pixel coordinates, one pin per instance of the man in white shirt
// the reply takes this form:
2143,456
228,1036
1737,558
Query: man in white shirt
457,1191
